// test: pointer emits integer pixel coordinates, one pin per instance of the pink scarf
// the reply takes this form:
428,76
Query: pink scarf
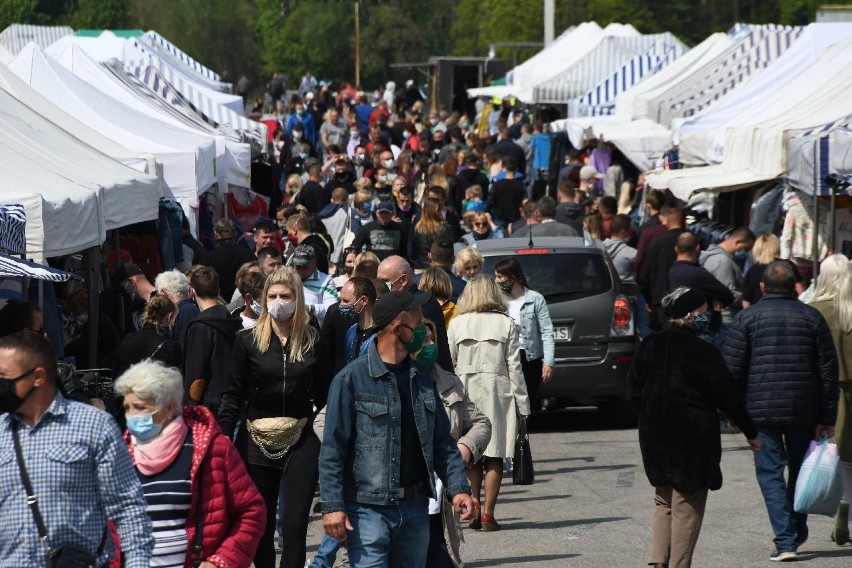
156,455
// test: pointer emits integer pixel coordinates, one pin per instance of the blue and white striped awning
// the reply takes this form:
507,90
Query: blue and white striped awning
750,55
192,69
20,268
600,100
740,29
214,114
16,36
13,229
817,153
602,62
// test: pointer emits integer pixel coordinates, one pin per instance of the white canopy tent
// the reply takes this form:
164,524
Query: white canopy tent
233,158
816,154
188,159
755,150
701,139
5,56
17,36
174,56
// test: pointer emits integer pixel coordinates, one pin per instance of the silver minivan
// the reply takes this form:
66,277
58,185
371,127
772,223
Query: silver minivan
592,314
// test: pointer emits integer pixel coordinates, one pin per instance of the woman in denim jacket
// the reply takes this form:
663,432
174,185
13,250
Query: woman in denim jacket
529,311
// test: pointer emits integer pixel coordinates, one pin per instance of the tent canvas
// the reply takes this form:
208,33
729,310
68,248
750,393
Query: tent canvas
170,52
701,139
814,155
188,160
17,36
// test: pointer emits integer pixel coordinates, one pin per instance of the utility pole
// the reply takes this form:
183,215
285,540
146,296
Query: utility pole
358,43
548,22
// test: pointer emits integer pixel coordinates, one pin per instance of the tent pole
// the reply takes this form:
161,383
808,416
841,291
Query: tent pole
833,218
815,251
91,268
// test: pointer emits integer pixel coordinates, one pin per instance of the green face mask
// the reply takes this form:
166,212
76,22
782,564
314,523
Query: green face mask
428,355
417,338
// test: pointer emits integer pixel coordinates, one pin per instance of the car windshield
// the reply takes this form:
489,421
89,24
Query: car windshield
561,277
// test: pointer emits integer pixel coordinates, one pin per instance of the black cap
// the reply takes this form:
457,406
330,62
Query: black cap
125,271
688,301
391,304
303,255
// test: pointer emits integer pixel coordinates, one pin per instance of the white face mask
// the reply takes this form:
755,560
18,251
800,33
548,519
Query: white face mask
389,164
255,307
281,309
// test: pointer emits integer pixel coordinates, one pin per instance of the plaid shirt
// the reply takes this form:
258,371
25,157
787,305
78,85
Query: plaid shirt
81,473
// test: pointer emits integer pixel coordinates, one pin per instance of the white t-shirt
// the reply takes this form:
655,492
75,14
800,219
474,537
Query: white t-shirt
515,313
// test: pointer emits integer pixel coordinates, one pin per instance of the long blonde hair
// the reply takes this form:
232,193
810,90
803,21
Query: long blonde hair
303,336
430,222
834,285
481,294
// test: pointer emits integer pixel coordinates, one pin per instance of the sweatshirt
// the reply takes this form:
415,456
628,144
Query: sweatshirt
723,266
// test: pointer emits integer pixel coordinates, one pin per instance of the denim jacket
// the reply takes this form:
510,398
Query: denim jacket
537,327
359,459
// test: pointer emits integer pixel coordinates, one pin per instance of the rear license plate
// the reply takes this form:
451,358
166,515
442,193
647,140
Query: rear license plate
562,333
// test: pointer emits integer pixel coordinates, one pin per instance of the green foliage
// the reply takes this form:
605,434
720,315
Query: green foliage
99,14
17,12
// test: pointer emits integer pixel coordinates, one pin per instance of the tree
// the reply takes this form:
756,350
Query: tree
99,14
17,12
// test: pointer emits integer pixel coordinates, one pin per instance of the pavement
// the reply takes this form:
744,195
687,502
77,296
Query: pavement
591,507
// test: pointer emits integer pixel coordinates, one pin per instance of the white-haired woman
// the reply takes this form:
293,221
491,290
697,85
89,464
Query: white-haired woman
486,356
175,285
833,298
191,474
677,381
469,263
275,368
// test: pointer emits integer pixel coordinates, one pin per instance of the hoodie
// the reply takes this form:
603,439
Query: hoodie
622,256
722,265
571,214
207,356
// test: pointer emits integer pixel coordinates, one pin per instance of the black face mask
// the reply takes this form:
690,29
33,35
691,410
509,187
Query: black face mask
9,401
506,287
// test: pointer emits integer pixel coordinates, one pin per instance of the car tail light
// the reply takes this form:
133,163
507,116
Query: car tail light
622,317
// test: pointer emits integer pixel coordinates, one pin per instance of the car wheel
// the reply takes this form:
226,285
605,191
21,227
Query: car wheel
619,413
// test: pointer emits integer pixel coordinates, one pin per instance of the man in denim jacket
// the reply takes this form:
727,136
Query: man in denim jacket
385,437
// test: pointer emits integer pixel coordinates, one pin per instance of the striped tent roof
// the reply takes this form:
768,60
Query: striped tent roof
16,36
602,62
751,54
817,153
164,47
600,100
13,227
20,268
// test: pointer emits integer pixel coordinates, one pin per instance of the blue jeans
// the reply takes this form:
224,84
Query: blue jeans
643,323
326,553
783,446
389,535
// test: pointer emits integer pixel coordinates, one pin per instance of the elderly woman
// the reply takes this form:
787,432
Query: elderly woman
833,299
486,356
472,429
469,263
202,503
677,381
276,366
175,285
484,228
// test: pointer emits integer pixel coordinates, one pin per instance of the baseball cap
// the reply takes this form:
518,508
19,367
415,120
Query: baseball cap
391,304
125,271
385,206
587,172
303,255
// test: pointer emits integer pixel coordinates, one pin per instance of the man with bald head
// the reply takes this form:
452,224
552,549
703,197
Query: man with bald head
398,276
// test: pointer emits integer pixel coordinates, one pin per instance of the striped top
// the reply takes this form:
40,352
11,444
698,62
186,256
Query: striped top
169,496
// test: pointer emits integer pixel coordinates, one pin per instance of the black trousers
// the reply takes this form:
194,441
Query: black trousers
300,475
532,375
437,556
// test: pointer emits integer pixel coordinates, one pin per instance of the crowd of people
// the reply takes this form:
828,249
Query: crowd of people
357,346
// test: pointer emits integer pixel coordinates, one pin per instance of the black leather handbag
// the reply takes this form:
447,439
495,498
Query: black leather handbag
523,473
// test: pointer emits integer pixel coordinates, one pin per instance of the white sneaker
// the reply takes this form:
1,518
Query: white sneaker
784,556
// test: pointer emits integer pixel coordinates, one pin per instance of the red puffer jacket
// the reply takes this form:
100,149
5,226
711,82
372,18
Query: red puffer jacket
234,516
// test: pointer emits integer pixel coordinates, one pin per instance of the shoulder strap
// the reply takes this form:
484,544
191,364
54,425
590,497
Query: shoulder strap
157,350
32,500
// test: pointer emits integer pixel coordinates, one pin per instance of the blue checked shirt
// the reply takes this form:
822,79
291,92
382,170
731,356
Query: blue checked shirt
81,473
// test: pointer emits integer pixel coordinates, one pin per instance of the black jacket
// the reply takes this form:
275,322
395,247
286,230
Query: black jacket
683,273
314,197
384,241
259,380
654,276
677,381
509,148
207,357
781,352
506,198
570,214
143,344
226,259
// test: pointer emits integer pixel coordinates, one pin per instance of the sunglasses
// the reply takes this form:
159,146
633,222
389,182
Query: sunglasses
480,224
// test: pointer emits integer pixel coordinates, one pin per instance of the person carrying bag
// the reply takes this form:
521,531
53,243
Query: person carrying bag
523,473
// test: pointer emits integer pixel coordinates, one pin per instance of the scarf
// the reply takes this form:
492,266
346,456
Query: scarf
156,455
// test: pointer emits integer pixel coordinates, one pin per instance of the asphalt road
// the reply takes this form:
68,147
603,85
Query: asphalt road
591,507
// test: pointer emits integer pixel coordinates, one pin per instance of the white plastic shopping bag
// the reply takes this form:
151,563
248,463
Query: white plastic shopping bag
820,486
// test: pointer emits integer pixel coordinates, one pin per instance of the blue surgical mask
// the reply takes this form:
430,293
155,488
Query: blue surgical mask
701,322
143,427
741,254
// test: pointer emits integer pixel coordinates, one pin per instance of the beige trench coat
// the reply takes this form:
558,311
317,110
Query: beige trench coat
487,358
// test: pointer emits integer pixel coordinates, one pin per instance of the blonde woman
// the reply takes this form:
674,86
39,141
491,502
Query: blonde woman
469,263
275,371
438,282
486,356
429,228
766,249
833,299
292,188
